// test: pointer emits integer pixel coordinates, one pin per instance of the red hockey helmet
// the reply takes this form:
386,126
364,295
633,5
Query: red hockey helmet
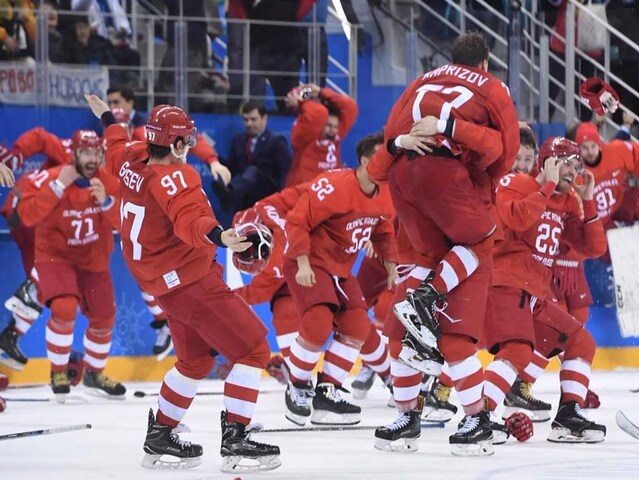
254,259
85,139
167,123
121,116
559,147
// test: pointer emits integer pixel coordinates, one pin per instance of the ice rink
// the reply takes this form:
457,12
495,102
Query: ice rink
112,449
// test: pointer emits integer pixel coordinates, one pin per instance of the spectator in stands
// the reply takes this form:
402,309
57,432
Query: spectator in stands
86,48
108,22
17,30
324,119
198,35
259,161
57,52
120,96
273,49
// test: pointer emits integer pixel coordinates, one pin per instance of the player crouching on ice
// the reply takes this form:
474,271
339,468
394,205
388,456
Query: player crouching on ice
169,239
537,213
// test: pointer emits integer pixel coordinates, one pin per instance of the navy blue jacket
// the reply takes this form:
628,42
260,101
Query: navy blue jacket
271,155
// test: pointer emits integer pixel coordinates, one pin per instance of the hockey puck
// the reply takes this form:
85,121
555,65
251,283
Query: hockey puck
138,393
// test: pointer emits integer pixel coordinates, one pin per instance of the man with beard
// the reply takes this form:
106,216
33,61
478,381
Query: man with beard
73,208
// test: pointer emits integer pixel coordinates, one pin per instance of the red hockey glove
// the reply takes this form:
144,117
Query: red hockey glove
4,382
11,158
520,426
599,95
592,400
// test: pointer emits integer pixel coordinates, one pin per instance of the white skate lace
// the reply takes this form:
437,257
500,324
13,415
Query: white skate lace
162,336
333,394
177,440
579,412
400,422
470,424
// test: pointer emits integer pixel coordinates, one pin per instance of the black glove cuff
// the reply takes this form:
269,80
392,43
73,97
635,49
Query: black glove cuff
215,236
108,119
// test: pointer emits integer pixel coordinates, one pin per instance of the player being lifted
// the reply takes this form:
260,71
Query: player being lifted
169,239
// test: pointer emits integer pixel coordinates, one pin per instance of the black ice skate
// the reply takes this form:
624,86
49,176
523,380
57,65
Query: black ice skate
520,398
427,360
571,426
418,313
402,434
363,382
437,407
24,301
474,437
161,441
98,384
297,397
10,353
163,343
241,454
61,385
330,408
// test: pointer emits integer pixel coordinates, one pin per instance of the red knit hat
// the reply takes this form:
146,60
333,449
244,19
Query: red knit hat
588,131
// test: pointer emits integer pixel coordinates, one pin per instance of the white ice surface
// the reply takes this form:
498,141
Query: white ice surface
113,448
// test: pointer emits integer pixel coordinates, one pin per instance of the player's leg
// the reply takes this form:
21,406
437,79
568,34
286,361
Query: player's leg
351,327
520,396
456,210
163,344
401,434
98,304
286,322
557,331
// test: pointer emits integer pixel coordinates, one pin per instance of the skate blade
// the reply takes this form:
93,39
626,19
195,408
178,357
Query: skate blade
535,415
12,363
69,399
404,311
237,464
96,392
14,305
401,445
159,463
479,449
324,417
161,356
563,435
358,393
429,367
296,419
431,414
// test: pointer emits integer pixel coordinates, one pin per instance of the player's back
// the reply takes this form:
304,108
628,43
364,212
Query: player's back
151,193
452,90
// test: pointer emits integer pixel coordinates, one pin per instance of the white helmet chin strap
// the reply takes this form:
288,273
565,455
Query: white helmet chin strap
184,153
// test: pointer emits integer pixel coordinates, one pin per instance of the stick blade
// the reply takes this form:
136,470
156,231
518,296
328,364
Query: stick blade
626,425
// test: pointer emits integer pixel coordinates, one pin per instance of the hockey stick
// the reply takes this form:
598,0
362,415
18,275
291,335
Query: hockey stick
27,385
141,394
70,399
335,428
626,425
45,431
634,390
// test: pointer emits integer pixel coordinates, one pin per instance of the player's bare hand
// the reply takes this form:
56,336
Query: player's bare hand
391,269
551,169
68,175
425,127
305,275
97,190
233,241
369,250
96,104
220,171
315,89
587,188
420,145
6,176
628,119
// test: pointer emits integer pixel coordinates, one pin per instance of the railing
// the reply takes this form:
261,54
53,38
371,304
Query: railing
212,75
